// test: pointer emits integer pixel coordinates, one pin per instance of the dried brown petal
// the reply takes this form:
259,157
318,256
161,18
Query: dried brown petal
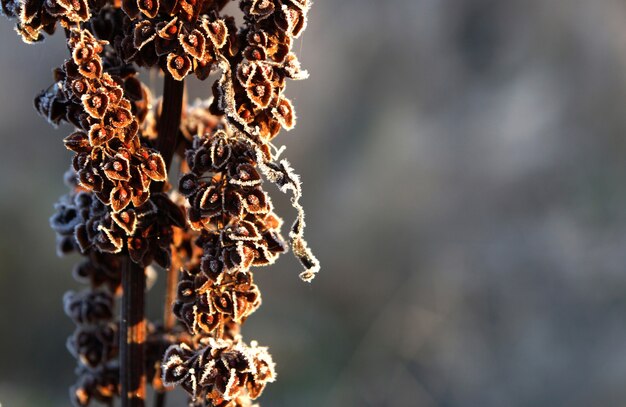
127,220
245,175
120,117
218,32
256,202
234,203
193,44
209,201
169,30
261,9
120,197
211,266
292,68
89,180
143,33
149,7
91,69
79,87
96,104
117,169
291,21
259,91
100,134
188,184
245,71
285,114
220,151
77,142
140,197
243,230
131,8
108,242
154,167
82,54
128,133
245,112
255,53
138,180
178,66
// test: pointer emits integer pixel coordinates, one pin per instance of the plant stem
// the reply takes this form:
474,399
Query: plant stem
169,122
168,316
170,293
133,336
168,129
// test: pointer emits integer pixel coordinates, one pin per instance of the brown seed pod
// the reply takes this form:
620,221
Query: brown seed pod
150,8
178,66
193,44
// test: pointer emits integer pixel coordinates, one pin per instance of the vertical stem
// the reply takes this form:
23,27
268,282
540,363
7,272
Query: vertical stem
169,122
168,129
159,399
133,336
170,293
168,316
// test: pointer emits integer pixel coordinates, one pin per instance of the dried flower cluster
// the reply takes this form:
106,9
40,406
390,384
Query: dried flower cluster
123,216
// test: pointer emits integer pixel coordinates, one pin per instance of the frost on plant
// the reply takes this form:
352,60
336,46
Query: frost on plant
210,229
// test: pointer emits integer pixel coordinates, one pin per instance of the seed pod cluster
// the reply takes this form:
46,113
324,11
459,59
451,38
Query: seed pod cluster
84,223
35,16
220,223
221,372
94,343
251,90
95,340
206,305
228,204
180,38
110,159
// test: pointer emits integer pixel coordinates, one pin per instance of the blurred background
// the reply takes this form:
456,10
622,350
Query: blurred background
463,166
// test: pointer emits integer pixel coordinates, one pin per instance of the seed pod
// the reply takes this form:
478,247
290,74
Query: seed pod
178,66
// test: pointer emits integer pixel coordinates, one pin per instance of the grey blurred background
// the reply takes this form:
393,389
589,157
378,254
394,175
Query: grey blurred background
463,164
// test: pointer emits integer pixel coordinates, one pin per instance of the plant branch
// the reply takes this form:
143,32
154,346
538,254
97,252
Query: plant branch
169,122
133,336
168,129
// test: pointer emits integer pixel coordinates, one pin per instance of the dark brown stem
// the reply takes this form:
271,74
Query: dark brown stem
169,122
168,316
159,400
168,129
133,336
170,293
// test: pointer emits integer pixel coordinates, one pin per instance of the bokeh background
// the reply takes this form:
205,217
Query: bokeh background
463,164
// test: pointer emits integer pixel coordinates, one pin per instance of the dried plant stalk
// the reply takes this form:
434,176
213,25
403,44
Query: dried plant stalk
123,216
